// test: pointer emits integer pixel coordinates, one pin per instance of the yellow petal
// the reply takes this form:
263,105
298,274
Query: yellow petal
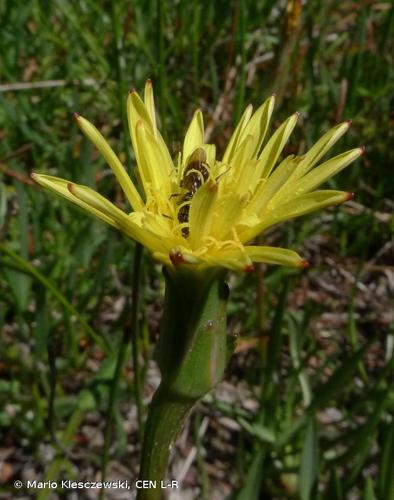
242,168
266,190
138,113
323,172
194,136
153,165
258,125
274,255
60,186
201,213
134,225
98,202
232,257
274,147
113,161
320,148
150,105
227,212
235,138
210,151
301,205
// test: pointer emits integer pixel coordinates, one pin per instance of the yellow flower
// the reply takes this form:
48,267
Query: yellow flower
200,211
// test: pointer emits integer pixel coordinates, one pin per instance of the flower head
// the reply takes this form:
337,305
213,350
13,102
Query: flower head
201,211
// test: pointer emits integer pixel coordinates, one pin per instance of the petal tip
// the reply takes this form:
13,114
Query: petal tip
76,116
349,196
362,150
213,186
349,122
176,257
304,264
249,268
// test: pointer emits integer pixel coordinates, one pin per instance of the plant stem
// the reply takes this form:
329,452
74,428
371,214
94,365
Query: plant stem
192,355
167,415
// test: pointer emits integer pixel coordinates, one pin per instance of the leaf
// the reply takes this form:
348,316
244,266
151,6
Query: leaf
325,392
386,466
20,285
259,431
369,493
338,381
309,467
334,488
251,488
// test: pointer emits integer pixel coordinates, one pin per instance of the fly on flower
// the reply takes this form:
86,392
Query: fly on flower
195,174
201,211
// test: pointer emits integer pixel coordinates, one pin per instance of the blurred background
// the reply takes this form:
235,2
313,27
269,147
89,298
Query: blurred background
305,408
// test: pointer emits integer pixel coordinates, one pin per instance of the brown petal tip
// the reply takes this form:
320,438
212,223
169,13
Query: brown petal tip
349,196
213,186
249,268
304,264
362,150
149,81
349,122
76,116
176,257
132,91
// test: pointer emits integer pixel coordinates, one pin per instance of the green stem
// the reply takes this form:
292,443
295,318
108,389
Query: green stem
167,414
192,355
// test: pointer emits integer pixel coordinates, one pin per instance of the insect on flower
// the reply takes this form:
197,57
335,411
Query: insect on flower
194,175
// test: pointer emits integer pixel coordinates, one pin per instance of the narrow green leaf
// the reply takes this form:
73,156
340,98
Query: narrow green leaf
386,466
334,487
365,439
309,468
337,382
42,321
369,493
325,392
257,430
19,285
251,487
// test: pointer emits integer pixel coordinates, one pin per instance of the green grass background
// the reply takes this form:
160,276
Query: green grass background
66,280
